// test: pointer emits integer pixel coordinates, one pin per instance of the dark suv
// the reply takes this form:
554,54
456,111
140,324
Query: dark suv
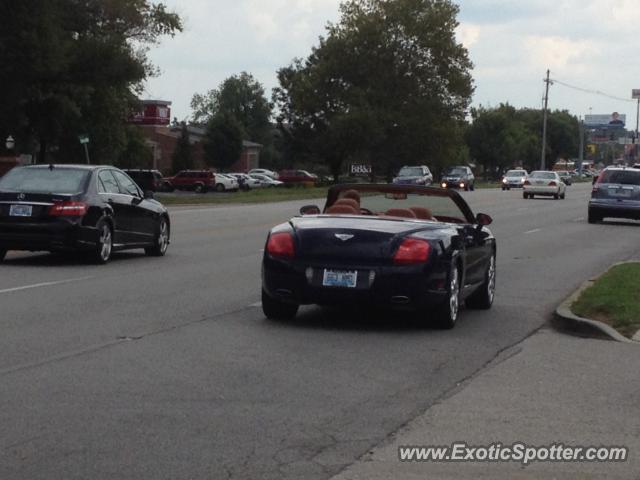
199,181
458,177
147,180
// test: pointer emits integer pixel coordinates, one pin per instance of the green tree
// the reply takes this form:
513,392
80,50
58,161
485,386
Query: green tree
182,157
241,97
223,142
136,153
74,67
389,83
504,137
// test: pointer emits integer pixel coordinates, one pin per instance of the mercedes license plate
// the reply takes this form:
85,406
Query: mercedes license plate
20,210
340,278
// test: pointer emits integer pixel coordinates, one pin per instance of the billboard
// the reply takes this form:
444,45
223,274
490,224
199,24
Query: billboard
607,120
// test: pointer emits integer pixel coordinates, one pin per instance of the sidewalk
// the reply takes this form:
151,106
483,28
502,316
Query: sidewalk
550,388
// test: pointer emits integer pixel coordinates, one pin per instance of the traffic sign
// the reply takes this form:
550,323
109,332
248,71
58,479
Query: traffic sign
84,139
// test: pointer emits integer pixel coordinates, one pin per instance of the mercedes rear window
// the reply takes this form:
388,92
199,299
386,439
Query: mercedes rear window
45,180
622,177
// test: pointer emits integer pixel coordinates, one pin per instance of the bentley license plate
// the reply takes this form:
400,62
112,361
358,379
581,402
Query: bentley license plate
340,278
20,210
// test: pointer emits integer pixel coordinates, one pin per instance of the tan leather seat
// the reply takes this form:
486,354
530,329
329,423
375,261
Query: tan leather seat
342,210
423,213
400,212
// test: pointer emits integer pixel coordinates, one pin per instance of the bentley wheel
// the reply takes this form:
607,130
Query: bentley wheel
104,245
562,196
447,315
483,297
276,310
525,195
161,242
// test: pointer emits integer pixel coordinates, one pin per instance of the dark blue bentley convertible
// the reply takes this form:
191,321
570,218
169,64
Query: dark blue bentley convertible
400,246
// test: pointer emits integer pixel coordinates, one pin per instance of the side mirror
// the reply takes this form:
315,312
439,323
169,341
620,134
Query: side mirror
149,195
310,210
483,219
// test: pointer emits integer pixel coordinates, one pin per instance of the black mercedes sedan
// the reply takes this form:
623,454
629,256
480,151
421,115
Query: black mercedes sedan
92,209
399,246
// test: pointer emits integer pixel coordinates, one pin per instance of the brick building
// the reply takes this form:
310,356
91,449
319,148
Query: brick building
162,137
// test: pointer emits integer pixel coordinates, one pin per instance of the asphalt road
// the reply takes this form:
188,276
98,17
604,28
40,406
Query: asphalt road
165,368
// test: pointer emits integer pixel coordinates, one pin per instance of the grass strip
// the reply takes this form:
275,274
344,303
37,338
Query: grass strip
614,299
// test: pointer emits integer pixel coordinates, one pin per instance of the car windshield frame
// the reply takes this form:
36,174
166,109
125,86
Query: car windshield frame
82,180
516,173
370,188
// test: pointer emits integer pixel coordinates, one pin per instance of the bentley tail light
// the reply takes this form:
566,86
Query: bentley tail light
553,184
281,245
412,250
527,182
68,209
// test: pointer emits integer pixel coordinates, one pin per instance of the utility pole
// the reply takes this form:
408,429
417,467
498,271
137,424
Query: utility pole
581,152
544,121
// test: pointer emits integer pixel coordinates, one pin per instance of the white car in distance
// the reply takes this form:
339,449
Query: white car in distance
544,183
264,171
514,179
265,180
225,183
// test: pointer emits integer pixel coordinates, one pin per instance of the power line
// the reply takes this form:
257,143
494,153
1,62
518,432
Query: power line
593,92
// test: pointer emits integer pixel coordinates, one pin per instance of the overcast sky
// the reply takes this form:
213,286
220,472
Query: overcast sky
590,44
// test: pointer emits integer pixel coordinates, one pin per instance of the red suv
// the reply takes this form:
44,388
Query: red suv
199,181
297,177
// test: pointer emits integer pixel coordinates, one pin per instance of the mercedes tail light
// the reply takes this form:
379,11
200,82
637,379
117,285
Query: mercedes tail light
411,251
68,209
281,245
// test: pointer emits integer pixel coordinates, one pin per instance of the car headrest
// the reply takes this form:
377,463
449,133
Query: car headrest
348,201
422,213
354,194
342,209
400,212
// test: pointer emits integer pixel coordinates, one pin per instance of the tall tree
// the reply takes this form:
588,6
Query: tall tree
241,97
388,82
74,67
182,157
223,142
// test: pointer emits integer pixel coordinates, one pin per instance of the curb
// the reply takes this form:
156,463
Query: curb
568,321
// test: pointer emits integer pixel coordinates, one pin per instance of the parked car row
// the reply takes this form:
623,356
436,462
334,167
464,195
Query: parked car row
202,181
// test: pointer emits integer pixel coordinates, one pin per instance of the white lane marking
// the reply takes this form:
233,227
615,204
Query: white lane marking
533,231
579,219
45,284
255,305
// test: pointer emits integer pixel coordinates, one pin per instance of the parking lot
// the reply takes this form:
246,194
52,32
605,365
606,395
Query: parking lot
166,367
